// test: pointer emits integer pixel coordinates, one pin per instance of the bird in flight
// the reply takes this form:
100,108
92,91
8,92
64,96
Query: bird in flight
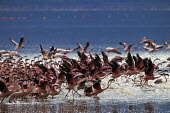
19,46
126,47
84,49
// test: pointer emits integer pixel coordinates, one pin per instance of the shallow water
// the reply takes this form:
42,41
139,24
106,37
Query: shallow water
109,101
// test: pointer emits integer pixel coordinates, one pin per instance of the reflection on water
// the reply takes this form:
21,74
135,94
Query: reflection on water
91,105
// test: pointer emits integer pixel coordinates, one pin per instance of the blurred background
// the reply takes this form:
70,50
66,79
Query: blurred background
62,23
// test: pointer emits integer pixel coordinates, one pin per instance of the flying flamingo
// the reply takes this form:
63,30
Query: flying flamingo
19,45
167,45
117,70
12,53
84,49
114,50
149,72
149,43
66,51
126,47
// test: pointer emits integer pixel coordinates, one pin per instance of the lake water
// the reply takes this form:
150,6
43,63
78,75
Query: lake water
103,28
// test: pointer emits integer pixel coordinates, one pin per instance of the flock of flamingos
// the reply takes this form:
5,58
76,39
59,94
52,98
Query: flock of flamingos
54,72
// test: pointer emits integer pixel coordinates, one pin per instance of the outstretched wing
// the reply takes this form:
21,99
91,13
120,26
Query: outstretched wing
80,46
43,68
129,60
2,85
41,47
75,48
124,44
15,43
42,50
166,43
87,45
21,40
114,65
149,68
52,49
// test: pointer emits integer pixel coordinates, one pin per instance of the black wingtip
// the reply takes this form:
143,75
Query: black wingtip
2,85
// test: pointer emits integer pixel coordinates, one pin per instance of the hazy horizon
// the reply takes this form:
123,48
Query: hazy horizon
12,5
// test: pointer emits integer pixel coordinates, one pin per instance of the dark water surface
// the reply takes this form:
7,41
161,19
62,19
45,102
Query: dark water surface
65,28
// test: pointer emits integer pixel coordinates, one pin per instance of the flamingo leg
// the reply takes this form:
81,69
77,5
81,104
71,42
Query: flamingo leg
67,92
2,100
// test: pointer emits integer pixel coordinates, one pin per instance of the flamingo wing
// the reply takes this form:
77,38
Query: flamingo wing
80,46
87,45
43,68
129,60
21,40
2,85
149,67
114,65
52,49
124,44
42,50
15,43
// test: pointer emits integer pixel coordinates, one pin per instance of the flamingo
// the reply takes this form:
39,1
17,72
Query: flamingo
114,50
105,58
5,92
12,53
53,90
150,50
84,49
167,45
66,51
88,91
19,45
97,87
126,47
117,71
149,72
70,84
168,59
149,43
117,59
16,95
43,52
